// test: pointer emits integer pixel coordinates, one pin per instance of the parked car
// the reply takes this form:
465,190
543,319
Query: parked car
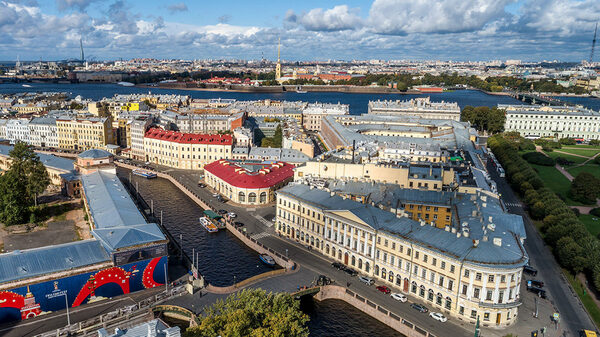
366,280
535,283
419,307
530,270
215,195
384,289
203,185
350,271
538,291
232,215
238,224
222,211
337,265
438,316
399,297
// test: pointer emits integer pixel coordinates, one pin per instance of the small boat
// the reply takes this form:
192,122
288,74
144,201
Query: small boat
210,227
267,259
26,86
301,91
126,84
144,173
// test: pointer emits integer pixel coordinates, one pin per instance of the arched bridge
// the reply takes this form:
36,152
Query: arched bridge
176,312
304,292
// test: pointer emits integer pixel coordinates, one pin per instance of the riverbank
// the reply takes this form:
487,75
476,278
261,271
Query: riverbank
351,89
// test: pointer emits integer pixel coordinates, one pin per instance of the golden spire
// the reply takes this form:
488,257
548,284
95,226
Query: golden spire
278,66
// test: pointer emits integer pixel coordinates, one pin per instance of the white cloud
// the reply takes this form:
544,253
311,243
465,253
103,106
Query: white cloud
401,17
335,19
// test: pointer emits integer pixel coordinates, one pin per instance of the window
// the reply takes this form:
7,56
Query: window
252,197
434,261
425,258
473,313
443,265
478,277
491,278
416,255
486,316
452,268
500,296
464,289
503,279
466,273
488,296
461,310
242,197
393,245
476,292
416,270
450,284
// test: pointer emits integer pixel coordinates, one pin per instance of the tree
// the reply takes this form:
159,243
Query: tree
13,199
29,169
585,188
252,312
484,118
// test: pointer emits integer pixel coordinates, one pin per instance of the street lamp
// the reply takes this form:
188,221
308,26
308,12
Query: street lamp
67,303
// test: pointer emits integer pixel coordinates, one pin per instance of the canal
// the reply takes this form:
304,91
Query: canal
222,257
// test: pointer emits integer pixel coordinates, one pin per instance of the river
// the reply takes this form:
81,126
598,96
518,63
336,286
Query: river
358,102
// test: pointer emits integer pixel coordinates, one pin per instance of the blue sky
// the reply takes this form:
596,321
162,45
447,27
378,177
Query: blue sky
309,30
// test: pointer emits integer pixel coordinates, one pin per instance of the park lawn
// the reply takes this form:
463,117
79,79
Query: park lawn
593,226
583,146
588,152
576,160
557,182
586,299
590,168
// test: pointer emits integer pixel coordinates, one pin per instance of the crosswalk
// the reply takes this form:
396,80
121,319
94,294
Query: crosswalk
513,204
259,236
264,221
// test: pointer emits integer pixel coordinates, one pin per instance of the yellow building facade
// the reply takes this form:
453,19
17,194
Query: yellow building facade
84,133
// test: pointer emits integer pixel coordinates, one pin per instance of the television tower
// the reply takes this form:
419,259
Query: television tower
278,66
594,43
81,55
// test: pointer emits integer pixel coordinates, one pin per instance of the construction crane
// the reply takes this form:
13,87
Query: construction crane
594,43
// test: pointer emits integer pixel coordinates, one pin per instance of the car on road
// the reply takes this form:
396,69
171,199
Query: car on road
215,195
384,289
535,283
419,307
222,211
203,185
238,224
438,316
337,265
350,271
366,280
232,215
530,270
538,291
399,297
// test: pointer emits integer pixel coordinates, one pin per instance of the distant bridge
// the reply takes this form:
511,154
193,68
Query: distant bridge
538,99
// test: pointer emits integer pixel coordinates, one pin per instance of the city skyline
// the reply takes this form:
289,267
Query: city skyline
382,29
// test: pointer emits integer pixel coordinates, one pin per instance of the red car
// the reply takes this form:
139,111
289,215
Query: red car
384,289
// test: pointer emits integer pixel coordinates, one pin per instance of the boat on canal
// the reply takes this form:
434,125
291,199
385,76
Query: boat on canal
144,173
267,259
208,225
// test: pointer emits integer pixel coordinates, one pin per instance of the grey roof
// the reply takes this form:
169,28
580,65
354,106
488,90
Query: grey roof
118,223
155,326
28,263
43,121
509,254
47,159
548,110
94,154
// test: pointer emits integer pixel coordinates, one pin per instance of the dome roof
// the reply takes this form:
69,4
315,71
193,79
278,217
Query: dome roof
94,154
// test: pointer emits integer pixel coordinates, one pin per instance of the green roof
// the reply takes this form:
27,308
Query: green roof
212,214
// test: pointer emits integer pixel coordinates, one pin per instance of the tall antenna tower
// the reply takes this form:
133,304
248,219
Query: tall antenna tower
81,55
594,43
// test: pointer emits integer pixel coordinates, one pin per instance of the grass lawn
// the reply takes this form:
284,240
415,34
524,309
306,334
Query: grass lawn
593,226
586,299
589,152
574,159
584,146
557,182
590,168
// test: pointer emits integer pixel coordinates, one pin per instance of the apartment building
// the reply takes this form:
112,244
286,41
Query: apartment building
536,121
84,133
137,130
43,132
17,130
314,112
185,150
471,268
417,107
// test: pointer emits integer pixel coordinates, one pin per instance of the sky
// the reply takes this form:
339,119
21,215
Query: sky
462,30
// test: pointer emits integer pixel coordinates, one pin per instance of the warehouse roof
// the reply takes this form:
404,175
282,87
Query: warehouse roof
29,263
251,175
94,154
48,160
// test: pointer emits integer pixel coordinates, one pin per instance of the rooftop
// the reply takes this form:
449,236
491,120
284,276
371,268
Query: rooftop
48,160
94,154
250,175
188,138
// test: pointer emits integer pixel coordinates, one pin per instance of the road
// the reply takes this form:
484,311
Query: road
573,315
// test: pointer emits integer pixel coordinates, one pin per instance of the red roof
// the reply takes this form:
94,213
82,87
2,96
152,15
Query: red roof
188,138
269,175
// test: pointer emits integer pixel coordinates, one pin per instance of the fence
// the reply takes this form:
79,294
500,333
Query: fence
125,315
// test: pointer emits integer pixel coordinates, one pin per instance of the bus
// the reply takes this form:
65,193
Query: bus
587,333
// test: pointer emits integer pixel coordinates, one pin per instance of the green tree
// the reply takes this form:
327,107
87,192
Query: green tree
585,188
29,169
484,118
252,312
14,208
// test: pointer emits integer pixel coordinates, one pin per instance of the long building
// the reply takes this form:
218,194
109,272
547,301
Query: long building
56,166
417,107
185,150
126,254
84,133
471,268
536,121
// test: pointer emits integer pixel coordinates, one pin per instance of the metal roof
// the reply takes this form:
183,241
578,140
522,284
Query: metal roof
28,263
94,154
152,328
48,160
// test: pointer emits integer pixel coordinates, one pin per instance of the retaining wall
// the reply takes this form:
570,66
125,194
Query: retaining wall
372,309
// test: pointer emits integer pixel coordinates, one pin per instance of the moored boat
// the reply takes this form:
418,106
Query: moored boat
208,225
144,173
267,259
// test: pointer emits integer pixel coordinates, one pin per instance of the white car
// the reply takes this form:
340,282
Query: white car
438,316
232,215
399,297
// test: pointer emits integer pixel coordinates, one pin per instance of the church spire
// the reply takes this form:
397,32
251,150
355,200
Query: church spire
278,66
